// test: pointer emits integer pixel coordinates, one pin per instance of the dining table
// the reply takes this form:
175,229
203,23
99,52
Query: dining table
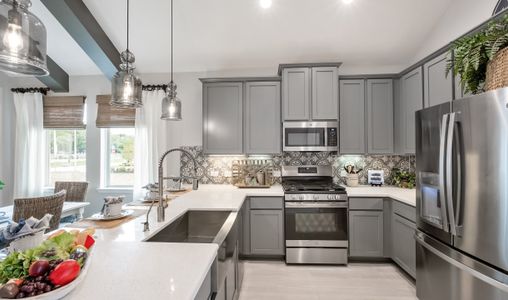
69,209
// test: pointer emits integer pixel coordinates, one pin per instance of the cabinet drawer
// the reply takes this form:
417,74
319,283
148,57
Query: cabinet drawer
404,210
366,203
266,203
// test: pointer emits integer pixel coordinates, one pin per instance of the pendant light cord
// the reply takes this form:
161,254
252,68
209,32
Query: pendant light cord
128,55
171,40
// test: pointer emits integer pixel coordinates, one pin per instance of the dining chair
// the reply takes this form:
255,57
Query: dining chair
76,190
25,208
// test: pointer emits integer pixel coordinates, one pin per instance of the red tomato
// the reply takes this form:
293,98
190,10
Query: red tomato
65,272
89,241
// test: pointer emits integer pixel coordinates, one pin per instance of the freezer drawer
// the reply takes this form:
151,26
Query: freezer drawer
443,273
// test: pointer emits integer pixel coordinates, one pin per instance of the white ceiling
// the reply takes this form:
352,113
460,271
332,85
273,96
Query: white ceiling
239,34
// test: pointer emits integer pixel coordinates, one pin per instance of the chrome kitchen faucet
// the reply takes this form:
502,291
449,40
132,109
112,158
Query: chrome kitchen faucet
162,206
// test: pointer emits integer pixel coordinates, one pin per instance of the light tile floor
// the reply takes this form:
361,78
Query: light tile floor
358,281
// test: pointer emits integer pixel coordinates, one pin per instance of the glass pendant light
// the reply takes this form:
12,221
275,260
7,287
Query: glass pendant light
171,105
126,87
22,39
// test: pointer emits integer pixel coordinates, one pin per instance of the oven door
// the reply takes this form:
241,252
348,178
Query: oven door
310,136
316,224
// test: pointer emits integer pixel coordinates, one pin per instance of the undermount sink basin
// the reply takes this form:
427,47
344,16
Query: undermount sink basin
196,226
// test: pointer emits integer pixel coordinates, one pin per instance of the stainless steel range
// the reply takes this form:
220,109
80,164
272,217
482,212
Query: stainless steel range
316,216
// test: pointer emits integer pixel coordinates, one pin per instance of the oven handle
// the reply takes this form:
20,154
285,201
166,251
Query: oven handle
316,205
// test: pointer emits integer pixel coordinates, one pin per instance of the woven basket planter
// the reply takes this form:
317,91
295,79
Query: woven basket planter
497,71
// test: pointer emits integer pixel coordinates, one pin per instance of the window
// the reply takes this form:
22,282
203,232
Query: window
118,157
66,149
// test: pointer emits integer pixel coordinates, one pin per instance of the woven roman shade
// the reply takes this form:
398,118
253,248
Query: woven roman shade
111,116
64,112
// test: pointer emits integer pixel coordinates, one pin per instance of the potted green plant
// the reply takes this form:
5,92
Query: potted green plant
478,58
2,184
403,179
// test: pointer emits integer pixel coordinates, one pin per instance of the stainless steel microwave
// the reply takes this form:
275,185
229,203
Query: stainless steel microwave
310,136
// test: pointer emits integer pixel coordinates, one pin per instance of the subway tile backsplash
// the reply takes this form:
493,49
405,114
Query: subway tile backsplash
217,169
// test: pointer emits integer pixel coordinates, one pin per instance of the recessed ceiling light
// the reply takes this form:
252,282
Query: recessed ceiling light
265,3
347,1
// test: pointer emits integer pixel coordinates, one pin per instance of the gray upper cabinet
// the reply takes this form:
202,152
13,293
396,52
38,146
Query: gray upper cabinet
411,98
262,118
222,118
325,93
438,88
366,233
352,116
296,93
380,116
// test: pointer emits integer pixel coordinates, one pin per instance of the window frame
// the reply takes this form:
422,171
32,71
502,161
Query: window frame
105,165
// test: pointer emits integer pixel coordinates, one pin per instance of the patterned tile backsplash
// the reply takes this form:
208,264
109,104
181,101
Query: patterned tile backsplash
217,169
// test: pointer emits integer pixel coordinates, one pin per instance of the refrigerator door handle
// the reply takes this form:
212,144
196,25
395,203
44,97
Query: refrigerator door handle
479,275
442,175
449,174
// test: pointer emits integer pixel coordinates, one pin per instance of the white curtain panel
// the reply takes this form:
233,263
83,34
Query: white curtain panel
150,141
30,146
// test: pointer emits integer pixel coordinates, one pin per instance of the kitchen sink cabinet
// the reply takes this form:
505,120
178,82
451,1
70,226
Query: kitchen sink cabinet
262,118
310,93
223,118
352,116
411,100
366,233
380,116
404,244
438,88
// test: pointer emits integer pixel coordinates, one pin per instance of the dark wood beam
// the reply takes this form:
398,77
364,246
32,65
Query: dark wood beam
57,80
86,31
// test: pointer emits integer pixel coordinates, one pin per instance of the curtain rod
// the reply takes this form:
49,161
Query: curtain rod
154,87
41,90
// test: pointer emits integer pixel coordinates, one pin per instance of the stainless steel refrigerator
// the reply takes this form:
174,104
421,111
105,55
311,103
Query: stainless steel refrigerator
462,199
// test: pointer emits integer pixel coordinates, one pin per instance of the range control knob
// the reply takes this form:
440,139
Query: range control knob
300,197
315,197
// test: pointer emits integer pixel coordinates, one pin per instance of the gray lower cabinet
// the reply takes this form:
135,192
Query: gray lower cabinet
366,233
223,118
205,291
352,116
438,88
296,94
325,93
267,232
380,116
262,118
411,99
404,244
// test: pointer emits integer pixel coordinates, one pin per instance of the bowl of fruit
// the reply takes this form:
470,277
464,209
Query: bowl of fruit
49,271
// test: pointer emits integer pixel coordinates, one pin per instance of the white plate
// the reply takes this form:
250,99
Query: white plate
100,217
63,291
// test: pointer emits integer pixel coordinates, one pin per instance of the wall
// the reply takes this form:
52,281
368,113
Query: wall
7,121
460,17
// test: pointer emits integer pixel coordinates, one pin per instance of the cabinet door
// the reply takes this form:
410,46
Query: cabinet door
366,233
267,232
352,116
262,118
411,94
296,93
404,244
325,93
380,116
438,87
222,118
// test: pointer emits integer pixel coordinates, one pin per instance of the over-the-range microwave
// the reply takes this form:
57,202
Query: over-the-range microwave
310,136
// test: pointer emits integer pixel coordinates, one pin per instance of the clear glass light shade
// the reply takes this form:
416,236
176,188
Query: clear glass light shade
126,87
171,105
22,40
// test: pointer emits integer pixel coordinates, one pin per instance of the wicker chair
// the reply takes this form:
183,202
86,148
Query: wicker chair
76,190
25,208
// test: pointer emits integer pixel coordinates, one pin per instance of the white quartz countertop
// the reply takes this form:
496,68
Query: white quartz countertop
130,270
125,267
407,196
